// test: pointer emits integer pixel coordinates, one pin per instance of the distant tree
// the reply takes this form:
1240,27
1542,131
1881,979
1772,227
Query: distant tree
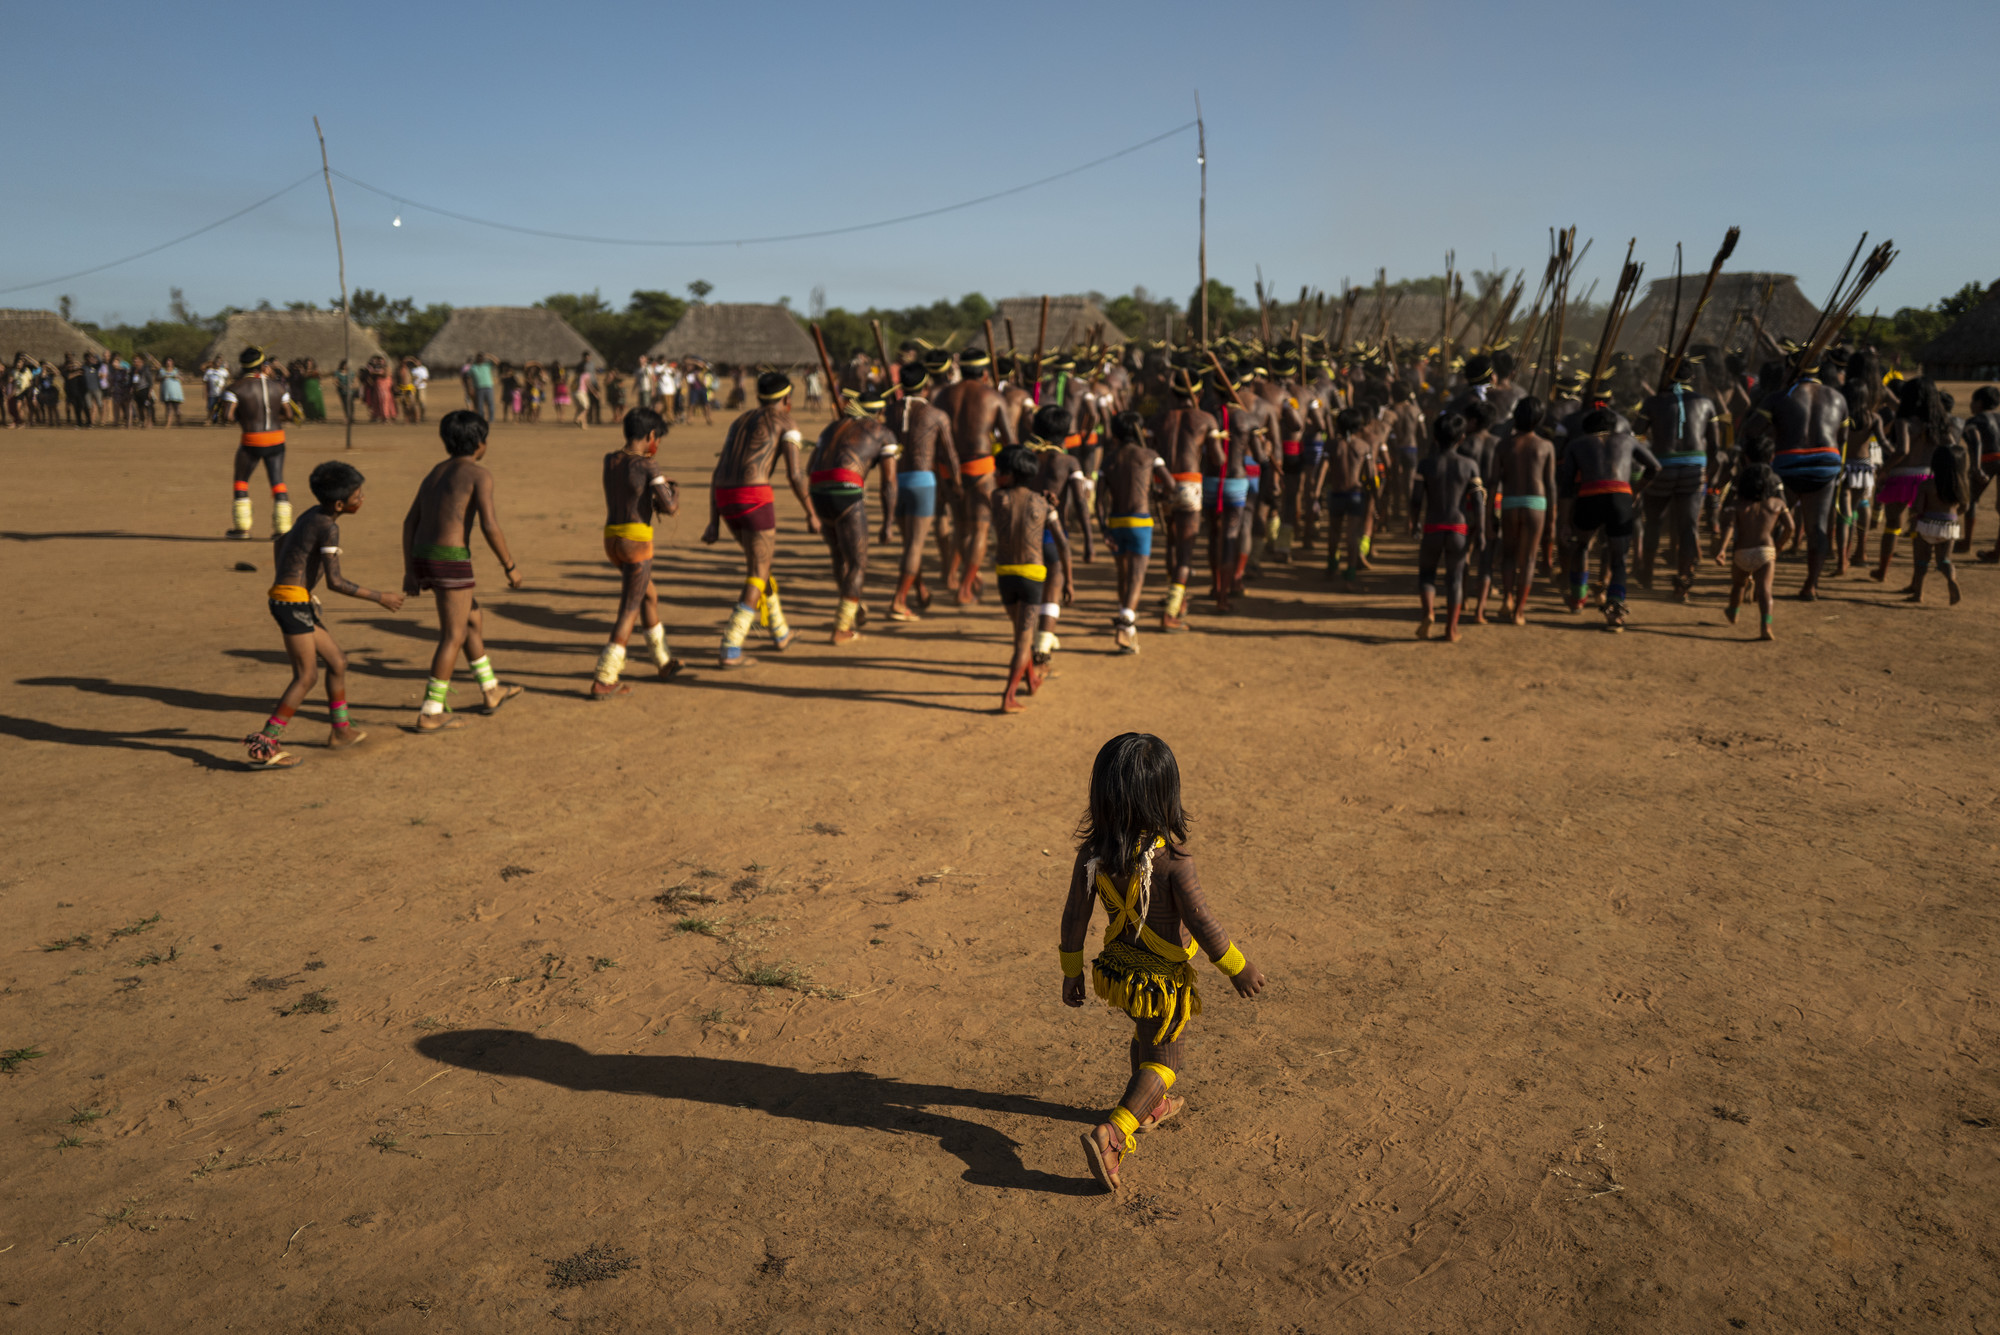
66,305
700,287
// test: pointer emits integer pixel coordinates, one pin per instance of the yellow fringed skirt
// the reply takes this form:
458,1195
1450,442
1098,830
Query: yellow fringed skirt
1146,987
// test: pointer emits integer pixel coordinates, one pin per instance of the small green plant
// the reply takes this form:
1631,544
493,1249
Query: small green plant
81,941
69,1143
83,1116
782,974
601,963
385,1142
10,1060
701,926
312,1003
133,929
711,1016
155,957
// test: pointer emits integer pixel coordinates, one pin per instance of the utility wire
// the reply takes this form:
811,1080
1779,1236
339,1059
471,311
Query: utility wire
605,240
112,264
762,240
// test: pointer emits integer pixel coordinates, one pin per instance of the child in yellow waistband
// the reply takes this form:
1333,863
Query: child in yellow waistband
308,550
634,492
1130,855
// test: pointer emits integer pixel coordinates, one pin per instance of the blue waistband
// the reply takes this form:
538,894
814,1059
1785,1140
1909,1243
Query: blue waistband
1683,460
922,479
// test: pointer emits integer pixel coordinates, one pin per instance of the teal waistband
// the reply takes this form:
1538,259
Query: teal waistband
1683,460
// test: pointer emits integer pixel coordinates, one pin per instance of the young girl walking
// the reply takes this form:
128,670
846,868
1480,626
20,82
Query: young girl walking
1939,505
1130,854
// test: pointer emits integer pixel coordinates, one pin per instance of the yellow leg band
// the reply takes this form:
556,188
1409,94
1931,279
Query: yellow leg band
1165,1073
1176,599
1232,961
1126,1124
1072,962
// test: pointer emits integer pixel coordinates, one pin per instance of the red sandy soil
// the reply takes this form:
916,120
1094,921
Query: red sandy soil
1619,982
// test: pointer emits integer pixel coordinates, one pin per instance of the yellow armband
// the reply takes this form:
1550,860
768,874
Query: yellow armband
1072,962
1232,961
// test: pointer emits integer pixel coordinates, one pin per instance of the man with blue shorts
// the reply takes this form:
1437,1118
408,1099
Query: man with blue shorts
924,432
1135,470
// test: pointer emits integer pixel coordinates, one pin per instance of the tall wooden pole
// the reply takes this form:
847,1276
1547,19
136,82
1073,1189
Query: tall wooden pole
346,321
1201,160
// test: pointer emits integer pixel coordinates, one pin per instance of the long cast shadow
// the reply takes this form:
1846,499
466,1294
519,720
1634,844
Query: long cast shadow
166,695
111,535
835,1098
35,730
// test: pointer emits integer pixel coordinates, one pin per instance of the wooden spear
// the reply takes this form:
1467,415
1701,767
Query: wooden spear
826,369
882,347
1034,387
1722,253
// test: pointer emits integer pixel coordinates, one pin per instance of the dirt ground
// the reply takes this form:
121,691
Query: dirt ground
1637,982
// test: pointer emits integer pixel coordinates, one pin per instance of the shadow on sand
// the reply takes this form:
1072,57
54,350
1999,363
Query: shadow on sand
834,1098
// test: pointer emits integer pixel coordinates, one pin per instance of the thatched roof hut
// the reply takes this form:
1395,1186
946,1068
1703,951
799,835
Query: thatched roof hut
738,334
1071,320
45,336
284,335
516,334
1970,348
1788,313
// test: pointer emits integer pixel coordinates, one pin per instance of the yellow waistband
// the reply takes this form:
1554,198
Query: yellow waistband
1037,572
289,593
630,532
1131,521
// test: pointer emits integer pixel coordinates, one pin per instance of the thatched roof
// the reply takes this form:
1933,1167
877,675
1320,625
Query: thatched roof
45,336
738,334
284,335
1970,348
1789,314
1071,320
514,334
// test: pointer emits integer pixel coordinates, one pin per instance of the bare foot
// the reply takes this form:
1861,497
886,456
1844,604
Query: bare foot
1520,618
845,636
1451,635
1879,575
1730,612
609,691
1765,634
1172,623
339,739
1009,705
1424,628
1912,597
899,613
1952,585
670,668
730,664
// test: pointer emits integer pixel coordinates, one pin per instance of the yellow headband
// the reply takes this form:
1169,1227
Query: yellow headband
779,397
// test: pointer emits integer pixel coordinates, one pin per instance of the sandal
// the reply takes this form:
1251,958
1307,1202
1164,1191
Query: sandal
507,693
266,753
617,692
445,723
1165,1108
1105,1170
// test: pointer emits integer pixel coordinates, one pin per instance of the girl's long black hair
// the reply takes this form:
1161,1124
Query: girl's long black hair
1135,792
1948,474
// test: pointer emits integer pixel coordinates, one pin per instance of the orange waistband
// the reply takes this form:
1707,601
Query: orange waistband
979,467
261,438
1187,477
1605,487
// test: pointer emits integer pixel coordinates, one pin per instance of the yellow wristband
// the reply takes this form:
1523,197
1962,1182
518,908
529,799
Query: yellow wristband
1232,961
1072,962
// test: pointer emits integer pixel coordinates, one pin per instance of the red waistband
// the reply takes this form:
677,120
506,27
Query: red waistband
824,475
759,494
1815,449
1605,487
1291,449
1444,528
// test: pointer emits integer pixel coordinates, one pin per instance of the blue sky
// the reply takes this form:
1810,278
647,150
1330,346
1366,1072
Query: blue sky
1340,138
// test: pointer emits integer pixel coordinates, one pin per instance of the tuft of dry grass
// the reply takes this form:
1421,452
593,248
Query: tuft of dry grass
588,1266
312,1003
